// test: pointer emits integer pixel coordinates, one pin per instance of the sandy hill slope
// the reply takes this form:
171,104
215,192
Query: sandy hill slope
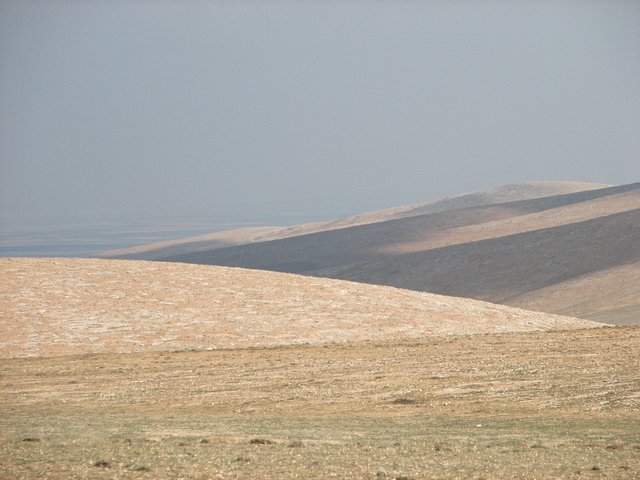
52,307
242,236
551,253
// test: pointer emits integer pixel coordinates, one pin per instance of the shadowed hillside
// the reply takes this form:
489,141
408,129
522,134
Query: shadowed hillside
507,193
519,269
319,253
511,253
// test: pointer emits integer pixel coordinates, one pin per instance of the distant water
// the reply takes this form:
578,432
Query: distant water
51,238
71,242
77,236
90,239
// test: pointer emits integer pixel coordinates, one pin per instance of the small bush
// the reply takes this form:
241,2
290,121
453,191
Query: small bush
404,401
261,441
141,469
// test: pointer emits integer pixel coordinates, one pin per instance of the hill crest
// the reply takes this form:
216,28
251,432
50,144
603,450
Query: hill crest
249,235
53,307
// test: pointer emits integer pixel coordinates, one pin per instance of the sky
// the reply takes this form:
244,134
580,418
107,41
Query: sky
237,109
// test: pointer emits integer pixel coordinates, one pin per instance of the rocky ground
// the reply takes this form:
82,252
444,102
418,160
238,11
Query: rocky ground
516,405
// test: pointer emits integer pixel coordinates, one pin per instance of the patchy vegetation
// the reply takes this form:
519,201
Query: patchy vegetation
535,405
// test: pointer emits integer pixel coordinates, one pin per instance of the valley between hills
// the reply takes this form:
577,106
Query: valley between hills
490,335
519,245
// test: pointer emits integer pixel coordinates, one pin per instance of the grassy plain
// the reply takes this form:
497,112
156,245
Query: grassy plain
518,405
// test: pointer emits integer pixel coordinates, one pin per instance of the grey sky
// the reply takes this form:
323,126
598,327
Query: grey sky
150,107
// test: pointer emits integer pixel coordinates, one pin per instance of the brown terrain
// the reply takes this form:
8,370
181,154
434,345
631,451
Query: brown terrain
519,253
151,370
122,369
532,405
77,306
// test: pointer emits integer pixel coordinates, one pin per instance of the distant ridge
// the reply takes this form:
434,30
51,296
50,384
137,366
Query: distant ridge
322,252
52,307
506,193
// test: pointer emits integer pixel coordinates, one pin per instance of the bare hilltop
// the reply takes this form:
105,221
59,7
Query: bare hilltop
74,306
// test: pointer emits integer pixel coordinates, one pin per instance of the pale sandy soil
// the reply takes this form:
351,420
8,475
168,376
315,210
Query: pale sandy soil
73,306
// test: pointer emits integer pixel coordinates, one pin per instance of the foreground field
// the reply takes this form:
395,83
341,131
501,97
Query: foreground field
517,405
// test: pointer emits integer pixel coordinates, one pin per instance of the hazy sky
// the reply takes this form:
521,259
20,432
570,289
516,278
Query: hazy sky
138,108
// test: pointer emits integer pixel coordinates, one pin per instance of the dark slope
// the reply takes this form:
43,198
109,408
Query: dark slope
587,243
501,268
321,252
228,238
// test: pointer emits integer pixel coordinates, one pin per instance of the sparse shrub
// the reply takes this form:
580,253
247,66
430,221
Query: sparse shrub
261,441
404,401
101,463
441,447
141,469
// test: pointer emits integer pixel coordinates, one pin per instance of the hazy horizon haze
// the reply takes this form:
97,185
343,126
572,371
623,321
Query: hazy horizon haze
223,110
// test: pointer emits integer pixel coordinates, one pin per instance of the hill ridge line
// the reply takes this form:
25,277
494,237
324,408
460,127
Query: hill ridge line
55,307
346,222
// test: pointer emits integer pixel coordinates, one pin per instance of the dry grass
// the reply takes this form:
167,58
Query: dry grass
526,405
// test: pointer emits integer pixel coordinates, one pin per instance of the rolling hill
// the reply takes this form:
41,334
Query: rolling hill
54,307
242,236
574,254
